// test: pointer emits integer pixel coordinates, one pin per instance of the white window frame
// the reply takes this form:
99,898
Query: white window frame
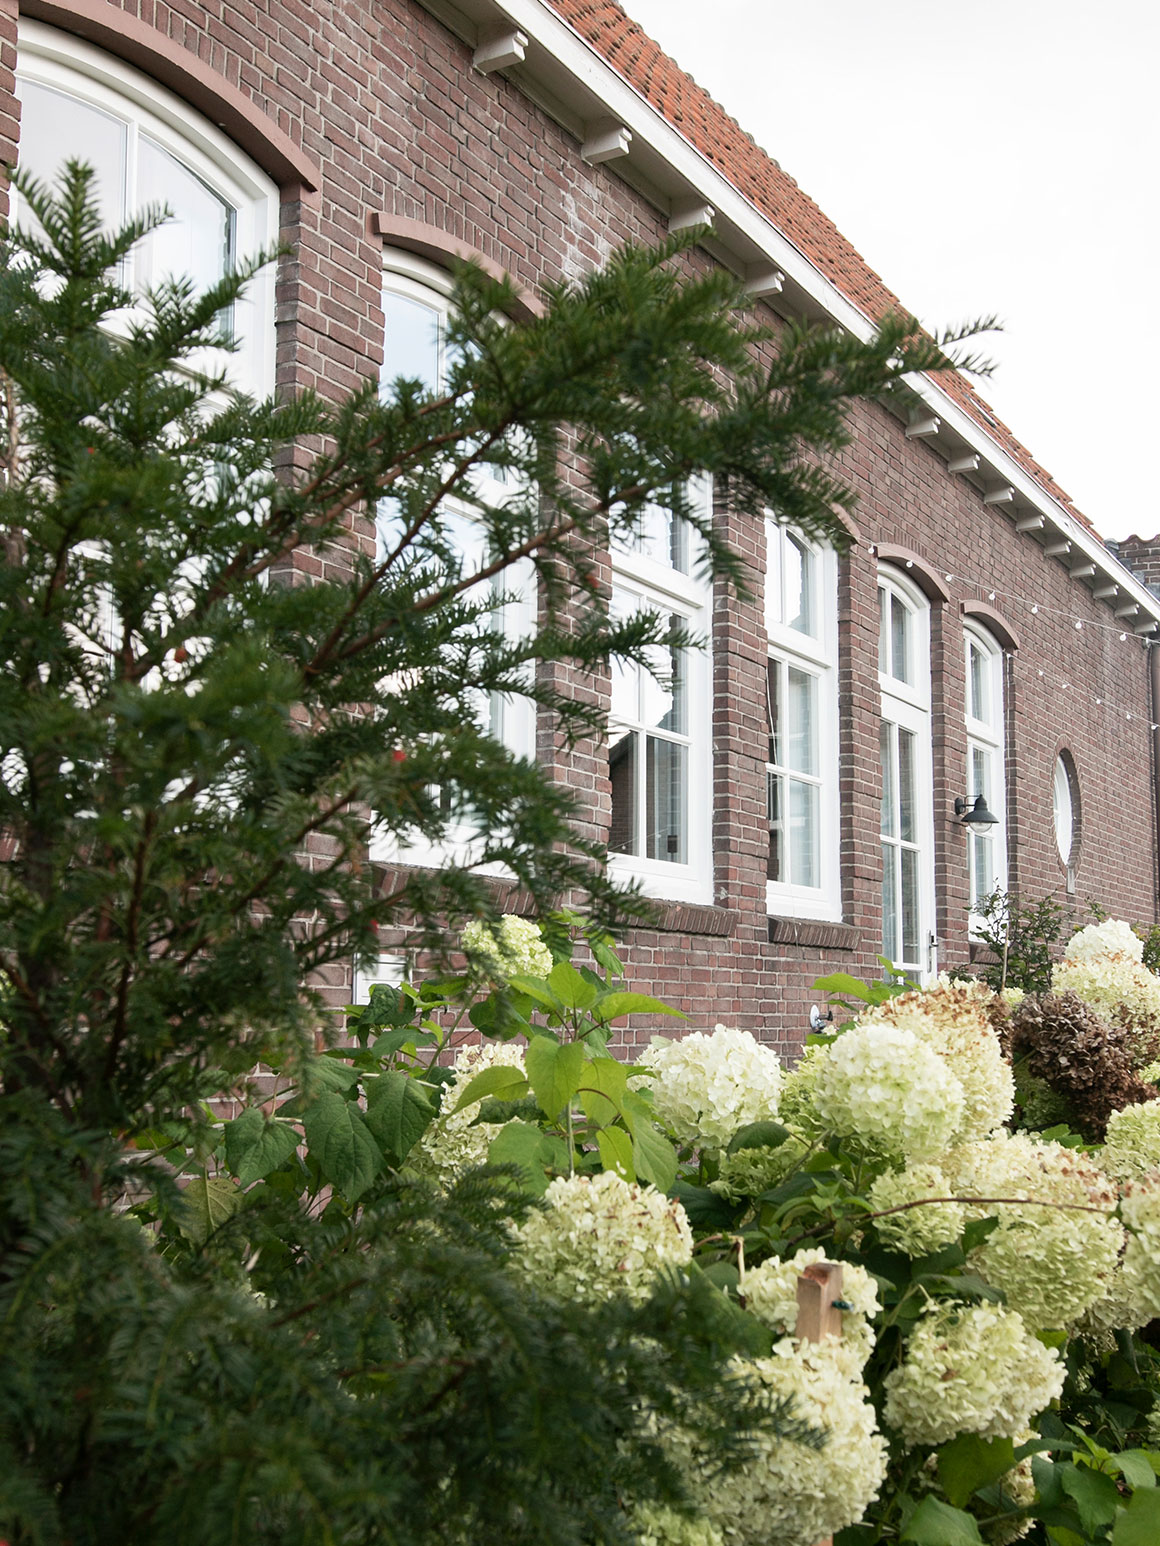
987,737
657,586
1064,802
415,279
816,655
64,63
907,706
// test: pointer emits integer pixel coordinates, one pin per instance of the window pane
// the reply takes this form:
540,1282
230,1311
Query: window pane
907,786
900,641
801,750
622,775
798,586
980,775
889,825
772,706
979,705
664,690
661,536
983,877
890,933
883,631
774,798
1062,810
665,797
411,346
909,860
803,833
54,127
198,242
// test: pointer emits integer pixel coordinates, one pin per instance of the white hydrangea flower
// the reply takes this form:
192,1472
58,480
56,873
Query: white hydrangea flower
1118,988
787,1493
1151,1072
1113,937
455,1141
922,1230
1125,1307
1140,1209
973,1369
1052,1262
512,947
706,1088
770,1292
601,1236
797,1108
883,1085
656,1525
951,1019
1013,997
1132,1146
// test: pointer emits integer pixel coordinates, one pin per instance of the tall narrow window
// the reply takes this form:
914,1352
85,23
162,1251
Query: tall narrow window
987,854
907,818
660,733
802,876
147,147
415,311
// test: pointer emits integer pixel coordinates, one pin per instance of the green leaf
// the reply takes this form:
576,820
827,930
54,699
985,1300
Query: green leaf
653,1156
522,1145
1139,1524
758,1135
326,1073
398,1112
706,1209
977,1231
613,1005
969,1462
338,1139
935,1523
538,991
505,1082
1136,1466
602,1089
256,1146
616,1151
573,990
1094,1493
207,1202
555,1072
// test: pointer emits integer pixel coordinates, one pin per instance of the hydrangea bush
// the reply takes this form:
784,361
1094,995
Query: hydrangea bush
997,1280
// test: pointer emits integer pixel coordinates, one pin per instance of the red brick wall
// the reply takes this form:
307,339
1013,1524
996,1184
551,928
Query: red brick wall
384,99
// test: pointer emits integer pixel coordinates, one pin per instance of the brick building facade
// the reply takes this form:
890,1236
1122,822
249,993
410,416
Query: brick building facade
978,637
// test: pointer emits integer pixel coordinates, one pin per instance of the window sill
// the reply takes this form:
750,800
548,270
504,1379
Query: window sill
814,933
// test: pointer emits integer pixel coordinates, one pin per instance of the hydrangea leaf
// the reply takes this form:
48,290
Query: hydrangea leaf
555,1072
602,1089
255,1146
573,990
935,1523
207,1202
347,1155
758,1135
616,1151
615,1005
1139,1524
1094,1493
1136,1466
504,1081
398,1112
970,1462
522,1145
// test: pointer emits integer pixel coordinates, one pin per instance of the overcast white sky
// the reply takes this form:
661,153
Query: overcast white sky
983,156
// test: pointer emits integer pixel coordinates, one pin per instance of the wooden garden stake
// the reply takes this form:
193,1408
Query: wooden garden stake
819,1294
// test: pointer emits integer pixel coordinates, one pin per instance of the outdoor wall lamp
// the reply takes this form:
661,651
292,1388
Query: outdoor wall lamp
976,818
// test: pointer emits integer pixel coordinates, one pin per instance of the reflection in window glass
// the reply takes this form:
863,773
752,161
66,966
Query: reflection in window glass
792,779
411,347
649,752
1063,810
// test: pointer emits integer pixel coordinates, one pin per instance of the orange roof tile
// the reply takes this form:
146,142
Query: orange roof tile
604,25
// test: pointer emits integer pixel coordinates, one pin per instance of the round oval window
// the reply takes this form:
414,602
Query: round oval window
1063,809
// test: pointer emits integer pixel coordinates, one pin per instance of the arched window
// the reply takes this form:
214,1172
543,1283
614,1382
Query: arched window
801,609
147,147
660,729
987,854
907,820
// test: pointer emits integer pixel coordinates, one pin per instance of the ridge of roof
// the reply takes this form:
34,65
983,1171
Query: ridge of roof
607,28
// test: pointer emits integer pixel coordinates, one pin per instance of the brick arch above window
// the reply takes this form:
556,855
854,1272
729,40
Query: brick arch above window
914,568
441,248
189,77
993,621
